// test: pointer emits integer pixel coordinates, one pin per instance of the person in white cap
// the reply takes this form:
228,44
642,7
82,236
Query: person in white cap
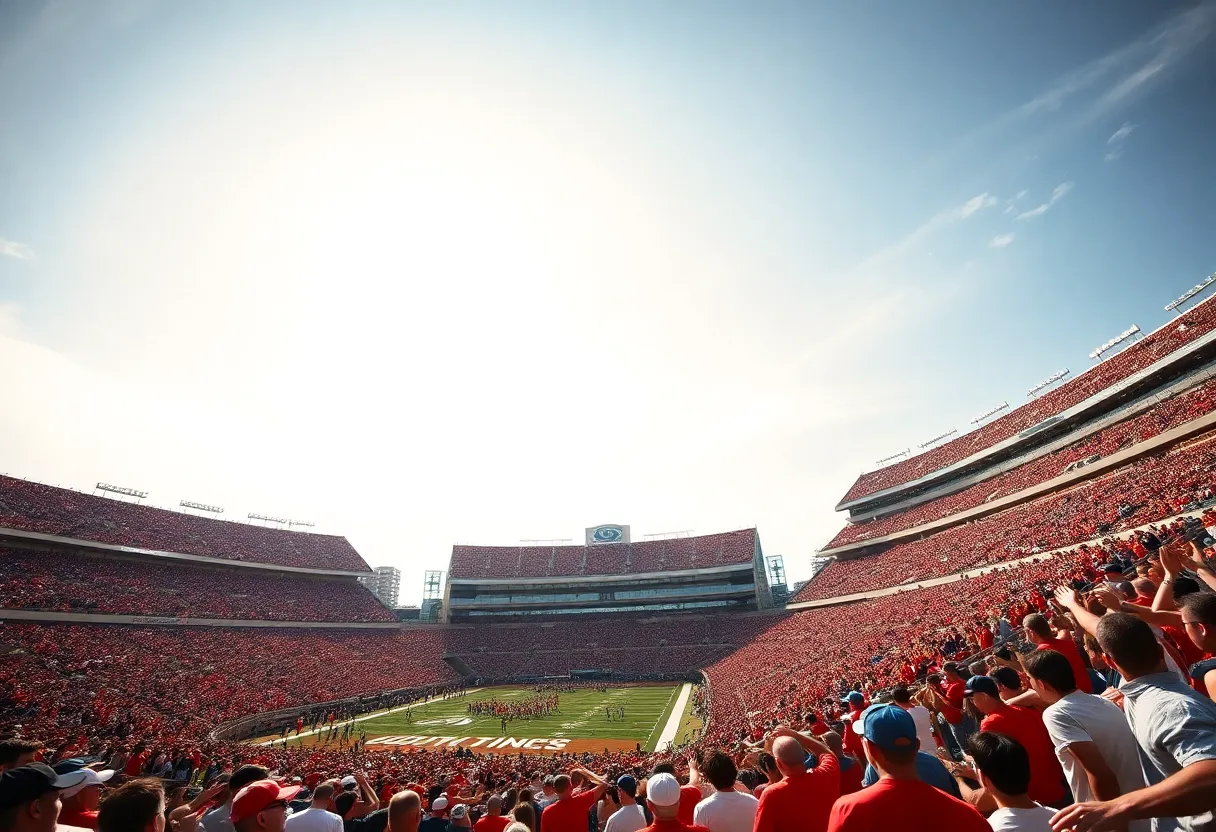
663,798
438,820
80,802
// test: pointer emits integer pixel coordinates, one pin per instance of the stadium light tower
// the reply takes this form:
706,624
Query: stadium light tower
988,413
1047,382
265,519
905,452
291,524
1190,293
1118,339
201,507
937,439
118,489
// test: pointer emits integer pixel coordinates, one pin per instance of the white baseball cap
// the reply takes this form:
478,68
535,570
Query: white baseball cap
91,778
663,790
439,804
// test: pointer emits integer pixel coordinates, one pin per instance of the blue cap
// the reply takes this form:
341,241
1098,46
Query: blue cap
855,698
627,784
68,766
889,727
981,684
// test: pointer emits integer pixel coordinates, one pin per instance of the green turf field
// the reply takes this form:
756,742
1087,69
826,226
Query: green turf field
580,715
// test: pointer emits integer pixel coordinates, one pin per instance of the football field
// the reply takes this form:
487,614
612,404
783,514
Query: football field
585,719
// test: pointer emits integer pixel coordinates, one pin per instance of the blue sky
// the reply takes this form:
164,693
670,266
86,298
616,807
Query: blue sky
429,273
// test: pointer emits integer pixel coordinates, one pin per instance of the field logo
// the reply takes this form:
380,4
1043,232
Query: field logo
481,743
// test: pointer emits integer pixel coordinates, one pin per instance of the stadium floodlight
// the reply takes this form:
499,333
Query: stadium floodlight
201,507
937,439
886,459
118,489
1047,382
1190,293
291,523
988,413
1118,339
282,520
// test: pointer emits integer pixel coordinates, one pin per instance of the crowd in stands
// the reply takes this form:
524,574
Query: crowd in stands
647,556
1196,322
1191,404
81,583
1145,491
33,507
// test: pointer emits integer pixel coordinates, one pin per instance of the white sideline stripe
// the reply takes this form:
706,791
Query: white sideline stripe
673,721
363,718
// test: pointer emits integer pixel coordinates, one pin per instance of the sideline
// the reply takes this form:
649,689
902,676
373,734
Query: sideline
676,717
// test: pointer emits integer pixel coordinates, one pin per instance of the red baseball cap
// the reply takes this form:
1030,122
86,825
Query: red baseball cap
257,796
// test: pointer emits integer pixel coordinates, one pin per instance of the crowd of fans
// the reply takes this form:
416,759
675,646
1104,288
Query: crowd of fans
75,582
1193,403
31,506
1196,322
1145,491
604,558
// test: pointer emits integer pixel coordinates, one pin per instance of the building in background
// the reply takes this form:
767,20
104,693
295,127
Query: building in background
385,584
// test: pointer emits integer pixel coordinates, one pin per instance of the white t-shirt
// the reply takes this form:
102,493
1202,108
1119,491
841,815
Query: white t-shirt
1083,717
313,819
727,812
1037,819
924,728
626,819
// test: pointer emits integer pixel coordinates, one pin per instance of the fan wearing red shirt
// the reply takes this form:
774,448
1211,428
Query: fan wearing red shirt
663,797
494,820
1038,630
569,812
802,800
852,742
1025,726
690,795
900,799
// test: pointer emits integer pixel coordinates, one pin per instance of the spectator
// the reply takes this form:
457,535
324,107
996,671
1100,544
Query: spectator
438,819
1175,728
135,806
920,715
404,812
1004,770
16,752
663,800
1092,741
460,817
262,806
851,771
802,800
29,798
568,813
80,801
900,798
690,795
727,809
319,816
1025,726
1039,631
493,820
219,819
630,817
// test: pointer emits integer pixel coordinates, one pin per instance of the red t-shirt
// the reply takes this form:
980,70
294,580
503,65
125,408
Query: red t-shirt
569,815
673,826
492,823
1026,726
1068,649
851,777
907,805
690,796
801,803
82,818
851,739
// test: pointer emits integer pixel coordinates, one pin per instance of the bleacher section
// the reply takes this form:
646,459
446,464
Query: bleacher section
1193,325
33,507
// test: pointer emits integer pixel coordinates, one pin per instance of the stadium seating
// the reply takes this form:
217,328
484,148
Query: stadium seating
74,582
1191,404
603,559
33,507
1196,322
1150,489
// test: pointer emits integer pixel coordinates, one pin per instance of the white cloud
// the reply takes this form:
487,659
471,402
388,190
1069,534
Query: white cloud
1117,139
1001,240
11,248
1059,192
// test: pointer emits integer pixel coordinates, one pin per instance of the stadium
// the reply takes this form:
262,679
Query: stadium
135,634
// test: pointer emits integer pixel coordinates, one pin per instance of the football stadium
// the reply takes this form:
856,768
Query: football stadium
487,416
158,642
